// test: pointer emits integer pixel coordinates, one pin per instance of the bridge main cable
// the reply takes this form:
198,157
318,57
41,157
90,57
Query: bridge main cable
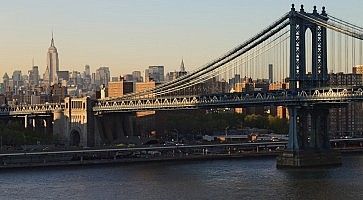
200,79
203,68
342,29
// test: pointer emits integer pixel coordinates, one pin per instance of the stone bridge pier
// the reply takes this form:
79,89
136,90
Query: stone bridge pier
115,128
77,125
308,143
73,125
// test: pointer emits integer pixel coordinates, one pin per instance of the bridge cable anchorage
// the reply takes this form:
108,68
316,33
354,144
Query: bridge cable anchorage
201,69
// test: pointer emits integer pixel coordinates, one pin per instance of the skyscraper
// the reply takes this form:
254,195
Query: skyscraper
34,76
270,73
87,71
52,62
103,76
182,68
136,76
6,82
155,73
46,80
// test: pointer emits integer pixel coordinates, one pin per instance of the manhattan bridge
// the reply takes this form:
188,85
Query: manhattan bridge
304,48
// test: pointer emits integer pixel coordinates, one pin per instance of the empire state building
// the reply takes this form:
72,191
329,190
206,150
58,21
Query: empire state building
52,63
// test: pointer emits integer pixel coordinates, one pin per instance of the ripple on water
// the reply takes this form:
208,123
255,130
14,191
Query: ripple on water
219,179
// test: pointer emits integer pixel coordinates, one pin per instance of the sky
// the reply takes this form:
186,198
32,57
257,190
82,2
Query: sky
128,35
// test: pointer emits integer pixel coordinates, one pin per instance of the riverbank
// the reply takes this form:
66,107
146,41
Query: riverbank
28,161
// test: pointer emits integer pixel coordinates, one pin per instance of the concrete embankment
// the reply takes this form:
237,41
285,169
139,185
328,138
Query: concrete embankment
29,161
47,163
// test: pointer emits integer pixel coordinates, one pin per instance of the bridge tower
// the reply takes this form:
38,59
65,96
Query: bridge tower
308,143
299,79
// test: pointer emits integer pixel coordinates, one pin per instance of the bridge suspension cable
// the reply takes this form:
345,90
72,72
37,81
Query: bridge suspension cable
345,23
212,64
221,70
339,27
249,57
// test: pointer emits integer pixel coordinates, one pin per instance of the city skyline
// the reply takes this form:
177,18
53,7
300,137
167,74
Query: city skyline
130,36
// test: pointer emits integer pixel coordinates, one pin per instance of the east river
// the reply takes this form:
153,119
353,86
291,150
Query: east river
255,178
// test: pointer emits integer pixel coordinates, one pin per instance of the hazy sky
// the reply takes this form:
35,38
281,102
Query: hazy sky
128,35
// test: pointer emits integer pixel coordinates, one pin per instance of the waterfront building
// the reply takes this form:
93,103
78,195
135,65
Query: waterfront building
341,79
119,88
278,86
346,120
142,86
358,69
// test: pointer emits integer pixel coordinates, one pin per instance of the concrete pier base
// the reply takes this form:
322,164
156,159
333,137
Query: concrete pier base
309,158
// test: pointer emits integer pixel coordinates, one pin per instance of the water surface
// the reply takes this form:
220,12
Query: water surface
255,178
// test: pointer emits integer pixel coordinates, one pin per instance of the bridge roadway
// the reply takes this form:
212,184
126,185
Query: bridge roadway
236,99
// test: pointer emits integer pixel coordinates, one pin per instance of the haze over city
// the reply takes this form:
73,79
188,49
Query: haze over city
131,35
171,99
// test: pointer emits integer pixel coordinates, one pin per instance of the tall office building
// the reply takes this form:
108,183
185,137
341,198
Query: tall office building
34,76
176,74
182,68
6,82
155,73
87,70
103,76
270,73
136,76
52,63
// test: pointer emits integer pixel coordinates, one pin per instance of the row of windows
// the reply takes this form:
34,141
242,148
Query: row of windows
76,105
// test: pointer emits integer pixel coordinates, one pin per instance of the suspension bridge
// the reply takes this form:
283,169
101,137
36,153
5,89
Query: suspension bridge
302,50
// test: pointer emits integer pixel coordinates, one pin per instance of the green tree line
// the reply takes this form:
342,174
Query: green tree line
207,123
14,134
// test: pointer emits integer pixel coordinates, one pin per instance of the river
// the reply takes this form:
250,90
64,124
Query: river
254,178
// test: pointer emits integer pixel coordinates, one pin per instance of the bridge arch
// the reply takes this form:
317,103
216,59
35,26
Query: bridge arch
75,136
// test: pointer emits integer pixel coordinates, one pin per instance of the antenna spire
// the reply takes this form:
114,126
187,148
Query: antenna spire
52,41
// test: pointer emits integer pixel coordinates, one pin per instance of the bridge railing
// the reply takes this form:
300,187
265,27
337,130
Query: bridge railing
284,97
28,109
